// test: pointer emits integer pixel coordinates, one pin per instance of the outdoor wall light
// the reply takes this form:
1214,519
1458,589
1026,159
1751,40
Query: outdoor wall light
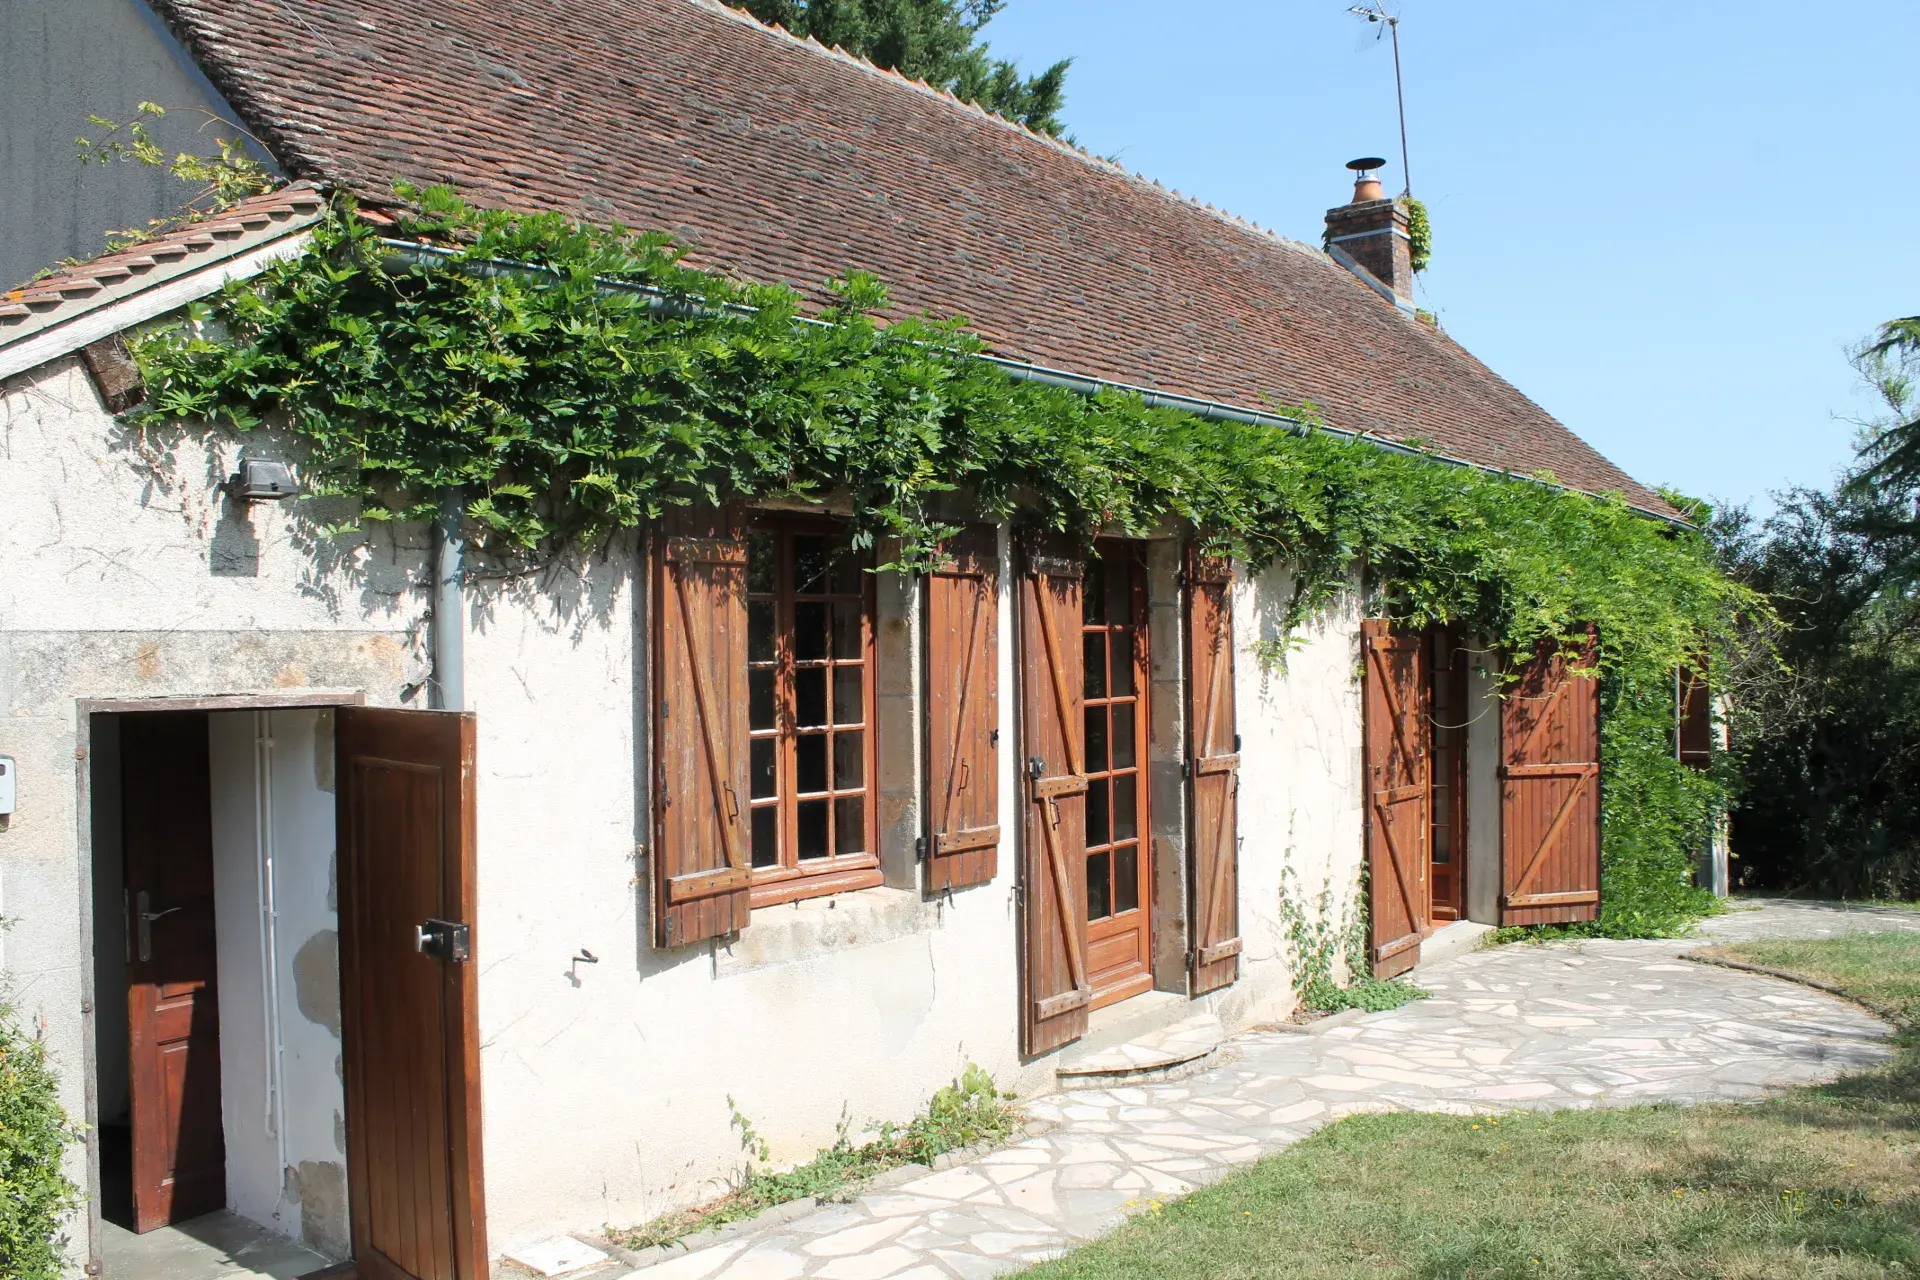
261,480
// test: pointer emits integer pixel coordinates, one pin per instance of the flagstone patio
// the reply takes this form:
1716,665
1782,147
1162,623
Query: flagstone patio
1563,1025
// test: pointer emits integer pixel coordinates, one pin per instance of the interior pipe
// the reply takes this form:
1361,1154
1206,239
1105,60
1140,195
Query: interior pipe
449,604
662,303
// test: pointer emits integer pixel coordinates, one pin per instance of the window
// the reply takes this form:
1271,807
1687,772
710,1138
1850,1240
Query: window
810,712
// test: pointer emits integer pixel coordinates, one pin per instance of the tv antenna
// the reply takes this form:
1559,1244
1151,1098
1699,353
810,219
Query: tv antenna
1386,24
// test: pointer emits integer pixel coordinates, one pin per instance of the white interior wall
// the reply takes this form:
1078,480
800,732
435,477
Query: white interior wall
279,977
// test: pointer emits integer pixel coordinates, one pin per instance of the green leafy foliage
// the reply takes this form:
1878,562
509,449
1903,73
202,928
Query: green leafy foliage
937,41
567,407
34,1130
1419,232
971,1112
1318,938
219,180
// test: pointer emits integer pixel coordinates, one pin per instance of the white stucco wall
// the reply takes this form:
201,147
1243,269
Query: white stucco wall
605,1085
1302,808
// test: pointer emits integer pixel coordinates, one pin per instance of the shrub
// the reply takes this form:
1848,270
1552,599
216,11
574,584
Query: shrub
34,1131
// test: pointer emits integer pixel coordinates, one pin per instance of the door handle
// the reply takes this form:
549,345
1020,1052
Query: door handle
141,902
447,940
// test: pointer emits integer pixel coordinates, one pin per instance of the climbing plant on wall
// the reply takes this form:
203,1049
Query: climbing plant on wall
567,404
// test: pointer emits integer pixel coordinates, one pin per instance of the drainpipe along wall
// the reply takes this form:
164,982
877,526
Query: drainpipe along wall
449,605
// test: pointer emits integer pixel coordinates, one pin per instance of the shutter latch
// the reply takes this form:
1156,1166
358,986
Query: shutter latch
447,940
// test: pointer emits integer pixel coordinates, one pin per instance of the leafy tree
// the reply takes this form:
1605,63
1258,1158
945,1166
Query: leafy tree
932,40
1831,730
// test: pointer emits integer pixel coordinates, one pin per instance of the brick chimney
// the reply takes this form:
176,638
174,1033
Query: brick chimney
1371,234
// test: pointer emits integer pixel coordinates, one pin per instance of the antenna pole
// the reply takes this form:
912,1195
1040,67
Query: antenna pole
1400,96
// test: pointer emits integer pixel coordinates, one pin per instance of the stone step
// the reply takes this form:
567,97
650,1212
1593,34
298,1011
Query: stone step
1159,1054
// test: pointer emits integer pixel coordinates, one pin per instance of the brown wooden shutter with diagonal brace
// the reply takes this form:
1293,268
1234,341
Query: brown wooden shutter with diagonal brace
1399,769
1213,772
1057,994
963,711
700,644
1550,791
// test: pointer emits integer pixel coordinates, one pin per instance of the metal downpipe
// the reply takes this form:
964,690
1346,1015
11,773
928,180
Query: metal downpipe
449,604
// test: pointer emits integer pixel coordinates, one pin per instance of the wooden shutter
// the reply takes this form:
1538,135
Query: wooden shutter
1550,791
1694,710
700,861
1399,768
1213,772
963,711
1054,871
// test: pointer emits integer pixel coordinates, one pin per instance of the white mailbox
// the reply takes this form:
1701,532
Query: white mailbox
7,774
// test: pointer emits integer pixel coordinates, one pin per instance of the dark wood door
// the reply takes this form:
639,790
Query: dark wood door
1448,862
1113,658
1058,994
407,983
1213,772
173,1013
1550,789
1399,796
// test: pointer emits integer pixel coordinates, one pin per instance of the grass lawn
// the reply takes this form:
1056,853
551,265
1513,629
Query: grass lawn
1823,1182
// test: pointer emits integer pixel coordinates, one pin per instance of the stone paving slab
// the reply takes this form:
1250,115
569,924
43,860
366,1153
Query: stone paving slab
1556,1026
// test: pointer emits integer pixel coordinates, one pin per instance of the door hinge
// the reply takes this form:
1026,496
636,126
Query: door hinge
447,940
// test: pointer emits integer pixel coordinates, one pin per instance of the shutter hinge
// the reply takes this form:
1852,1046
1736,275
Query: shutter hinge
1186,770
663,708
1236,744
920,849
666,797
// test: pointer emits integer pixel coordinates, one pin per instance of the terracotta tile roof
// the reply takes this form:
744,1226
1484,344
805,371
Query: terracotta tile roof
67,293
779,160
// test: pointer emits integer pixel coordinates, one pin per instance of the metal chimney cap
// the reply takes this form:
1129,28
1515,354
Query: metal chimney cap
1366,163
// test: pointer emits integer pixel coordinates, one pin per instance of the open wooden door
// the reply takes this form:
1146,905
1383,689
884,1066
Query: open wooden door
1058,994
1550,791
1213,773
173,1012
1399,792
963,711
410,1036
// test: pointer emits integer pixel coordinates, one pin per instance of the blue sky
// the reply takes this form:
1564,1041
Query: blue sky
1665,222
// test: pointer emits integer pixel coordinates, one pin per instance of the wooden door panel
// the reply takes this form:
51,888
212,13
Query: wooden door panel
409,1031
963,711
173,1015
1397,745
1058,992
1550,790
1115,720
1213,773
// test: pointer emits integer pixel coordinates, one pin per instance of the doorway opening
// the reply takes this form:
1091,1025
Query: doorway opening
1449,716
285,1041
1119,872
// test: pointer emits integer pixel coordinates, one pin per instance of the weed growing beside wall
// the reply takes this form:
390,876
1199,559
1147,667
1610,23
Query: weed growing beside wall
567,408
34,1194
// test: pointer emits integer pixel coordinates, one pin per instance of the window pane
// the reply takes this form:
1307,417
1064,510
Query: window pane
762,782
1094,646
1122,663
766,836
1096,739
1097,812
1123,734
760,631
1099,895
813,828
810,631
847,576
1093,593
850,825
1126,878
847,637
810,762
810,556
760,699
1120,592
1126,806
810,696
848,706
762,554
849,760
